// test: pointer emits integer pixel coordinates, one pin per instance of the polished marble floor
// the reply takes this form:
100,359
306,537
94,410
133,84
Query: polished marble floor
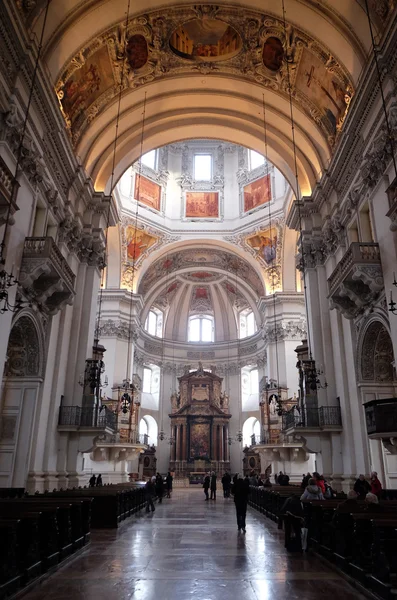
189,548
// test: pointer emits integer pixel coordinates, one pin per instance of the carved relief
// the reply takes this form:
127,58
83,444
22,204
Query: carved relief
377,354
23,351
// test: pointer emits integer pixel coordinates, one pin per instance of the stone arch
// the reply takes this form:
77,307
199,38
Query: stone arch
376,354
25,350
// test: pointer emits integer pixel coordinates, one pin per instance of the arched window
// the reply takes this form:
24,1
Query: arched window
149,427
255,160
251,428
201,329
249,387
150,159
154,322
125,183
247,324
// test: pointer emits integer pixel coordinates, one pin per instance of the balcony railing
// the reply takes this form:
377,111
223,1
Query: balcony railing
77,416
357,253
45,247
321,417
266,440
381,418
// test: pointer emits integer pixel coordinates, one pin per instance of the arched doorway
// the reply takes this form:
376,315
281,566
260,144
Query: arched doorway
21,387
376,375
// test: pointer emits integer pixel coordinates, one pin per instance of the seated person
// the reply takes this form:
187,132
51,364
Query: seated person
351,504
312,492
372,504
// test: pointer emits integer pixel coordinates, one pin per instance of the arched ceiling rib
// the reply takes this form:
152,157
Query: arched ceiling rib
187,113
325,45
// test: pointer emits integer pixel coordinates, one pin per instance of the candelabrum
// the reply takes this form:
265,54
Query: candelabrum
313,377
392,304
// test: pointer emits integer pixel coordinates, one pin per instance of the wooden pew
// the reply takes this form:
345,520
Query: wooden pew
110,504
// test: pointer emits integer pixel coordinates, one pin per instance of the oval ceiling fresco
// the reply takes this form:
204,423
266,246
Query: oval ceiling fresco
205,40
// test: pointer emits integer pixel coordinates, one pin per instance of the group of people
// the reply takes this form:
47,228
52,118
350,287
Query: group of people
362,487
210,484
95,481
155,487
316,487
366,493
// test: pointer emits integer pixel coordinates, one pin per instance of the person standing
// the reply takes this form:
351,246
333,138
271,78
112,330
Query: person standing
159,487
241,490
362,487
168,484
226,483
99,480
206,485
92,481
376,486
150,491
213,486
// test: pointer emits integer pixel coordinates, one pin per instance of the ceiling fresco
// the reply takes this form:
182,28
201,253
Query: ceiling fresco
219,40
204,259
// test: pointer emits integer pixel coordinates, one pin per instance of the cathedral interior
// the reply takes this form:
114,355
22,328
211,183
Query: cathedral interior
198,217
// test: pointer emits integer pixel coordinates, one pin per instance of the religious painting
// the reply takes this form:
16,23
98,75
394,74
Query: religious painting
203,39
138,241
257,193
199,440
323,88
201,276
200,293
202,205
137,51
273,54
147,192
86,84
265,244
230,288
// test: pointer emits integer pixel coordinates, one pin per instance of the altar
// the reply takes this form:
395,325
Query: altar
199,425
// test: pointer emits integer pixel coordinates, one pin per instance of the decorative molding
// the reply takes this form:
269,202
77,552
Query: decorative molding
117,329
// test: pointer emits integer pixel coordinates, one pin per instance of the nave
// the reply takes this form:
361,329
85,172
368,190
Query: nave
191,548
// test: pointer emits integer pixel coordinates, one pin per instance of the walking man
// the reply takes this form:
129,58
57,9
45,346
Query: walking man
206,485
150,491
241,492
213,486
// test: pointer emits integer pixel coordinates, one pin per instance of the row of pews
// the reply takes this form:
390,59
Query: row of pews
360,540
38,532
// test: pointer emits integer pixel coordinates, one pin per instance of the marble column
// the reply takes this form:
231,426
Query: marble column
184,442
221,448
177,442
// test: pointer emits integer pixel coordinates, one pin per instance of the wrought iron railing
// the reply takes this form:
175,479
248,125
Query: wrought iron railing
381,417
78,416
323,416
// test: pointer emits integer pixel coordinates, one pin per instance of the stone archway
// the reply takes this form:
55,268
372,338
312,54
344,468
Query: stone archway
376,362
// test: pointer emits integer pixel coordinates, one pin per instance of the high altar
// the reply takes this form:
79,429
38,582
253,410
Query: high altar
199,425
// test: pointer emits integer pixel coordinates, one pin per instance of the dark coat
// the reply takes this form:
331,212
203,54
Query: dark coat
169,482
150,490
159,486
213,482
241,491
206,483
226,481
362,487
